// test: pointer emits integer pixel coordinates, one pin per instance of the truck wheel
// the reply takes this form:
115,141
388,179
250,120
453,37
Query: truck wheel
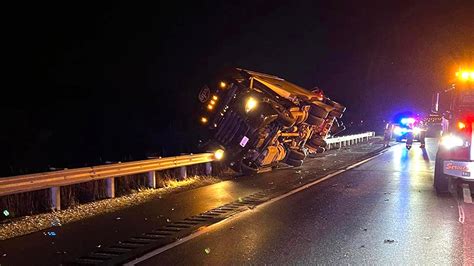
314,120
247,170
318,111
294,162
296,155
315,141
441,181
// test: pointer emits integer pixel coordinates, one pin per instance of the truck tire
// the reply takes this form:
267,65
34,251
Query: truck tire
294,162
320,150
318,111
441,181
314,120
316,141
296,155
247,170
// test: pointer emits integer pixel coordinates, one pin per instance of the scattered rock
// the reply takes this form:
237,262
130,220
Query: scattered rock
56,222
298,171
6,213
386,199
207,250
388,241
118,218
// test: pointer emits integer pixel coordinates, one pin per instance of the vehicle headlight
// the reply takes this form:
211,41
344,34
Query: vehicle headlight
397,131
250,104
416,130
451,141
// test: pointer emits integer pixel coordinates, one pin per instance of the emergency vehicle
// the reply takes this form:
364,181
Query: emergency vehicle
455,156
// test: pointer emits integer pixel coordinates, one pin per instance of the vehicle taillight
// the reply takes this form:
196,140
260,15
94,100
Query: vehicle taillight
461,125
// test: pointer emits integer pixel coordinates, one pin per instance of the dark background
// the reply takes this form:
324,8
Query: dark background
89,83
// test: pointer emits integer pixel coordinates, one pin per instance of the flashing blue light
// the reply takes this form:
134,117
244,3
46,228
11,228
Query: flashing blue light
407,120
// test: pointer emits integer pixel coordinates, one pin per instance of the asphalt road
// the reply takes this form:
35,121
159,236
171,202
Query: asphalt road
79,238
382,212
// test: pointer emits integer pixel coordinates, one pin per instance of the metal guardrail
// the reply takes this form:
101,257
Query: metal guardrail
56,179
348,140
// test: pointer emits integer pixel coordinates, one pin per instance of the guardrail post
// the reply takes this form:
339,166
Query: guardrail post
55,198
151,179
110,182
208,168
182,173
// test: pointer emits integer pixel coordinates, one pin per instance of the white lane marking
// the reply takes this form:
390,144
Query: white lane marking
461,213
466,193
212,226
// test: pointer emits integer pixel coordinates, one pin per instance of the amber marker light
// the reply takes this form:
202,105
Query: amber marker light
222,85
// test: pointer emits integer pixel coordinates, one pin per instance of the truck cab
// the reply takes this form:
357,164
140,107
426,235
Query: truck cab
455,156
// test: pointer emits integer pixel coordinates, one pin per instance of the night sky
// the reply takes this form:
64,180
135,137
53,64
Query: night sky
92,83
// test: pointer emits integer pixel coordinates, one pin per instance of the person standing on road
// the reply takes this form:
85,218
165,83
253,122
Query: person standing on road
423,129
387,135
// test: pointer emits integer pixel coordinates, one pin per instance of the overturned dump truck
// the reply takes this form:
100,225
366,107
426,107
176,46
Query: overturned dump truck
257,120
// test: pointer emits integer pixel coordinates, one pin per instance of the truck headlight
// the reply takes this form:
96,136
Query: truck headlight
451,141
250,104
219,154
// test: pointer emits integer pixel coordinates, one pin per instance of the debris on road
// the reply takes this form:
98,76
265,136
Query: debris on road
50,233
207,250
56,222
388,241
6,213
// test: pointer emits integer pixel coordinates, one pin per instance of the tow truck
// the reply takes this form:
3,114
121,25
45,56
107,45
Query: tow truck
454,164
253,121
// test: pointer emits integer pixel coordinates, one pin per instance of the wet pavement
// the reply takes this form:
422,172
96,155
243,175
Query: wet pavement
59,244
382,212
